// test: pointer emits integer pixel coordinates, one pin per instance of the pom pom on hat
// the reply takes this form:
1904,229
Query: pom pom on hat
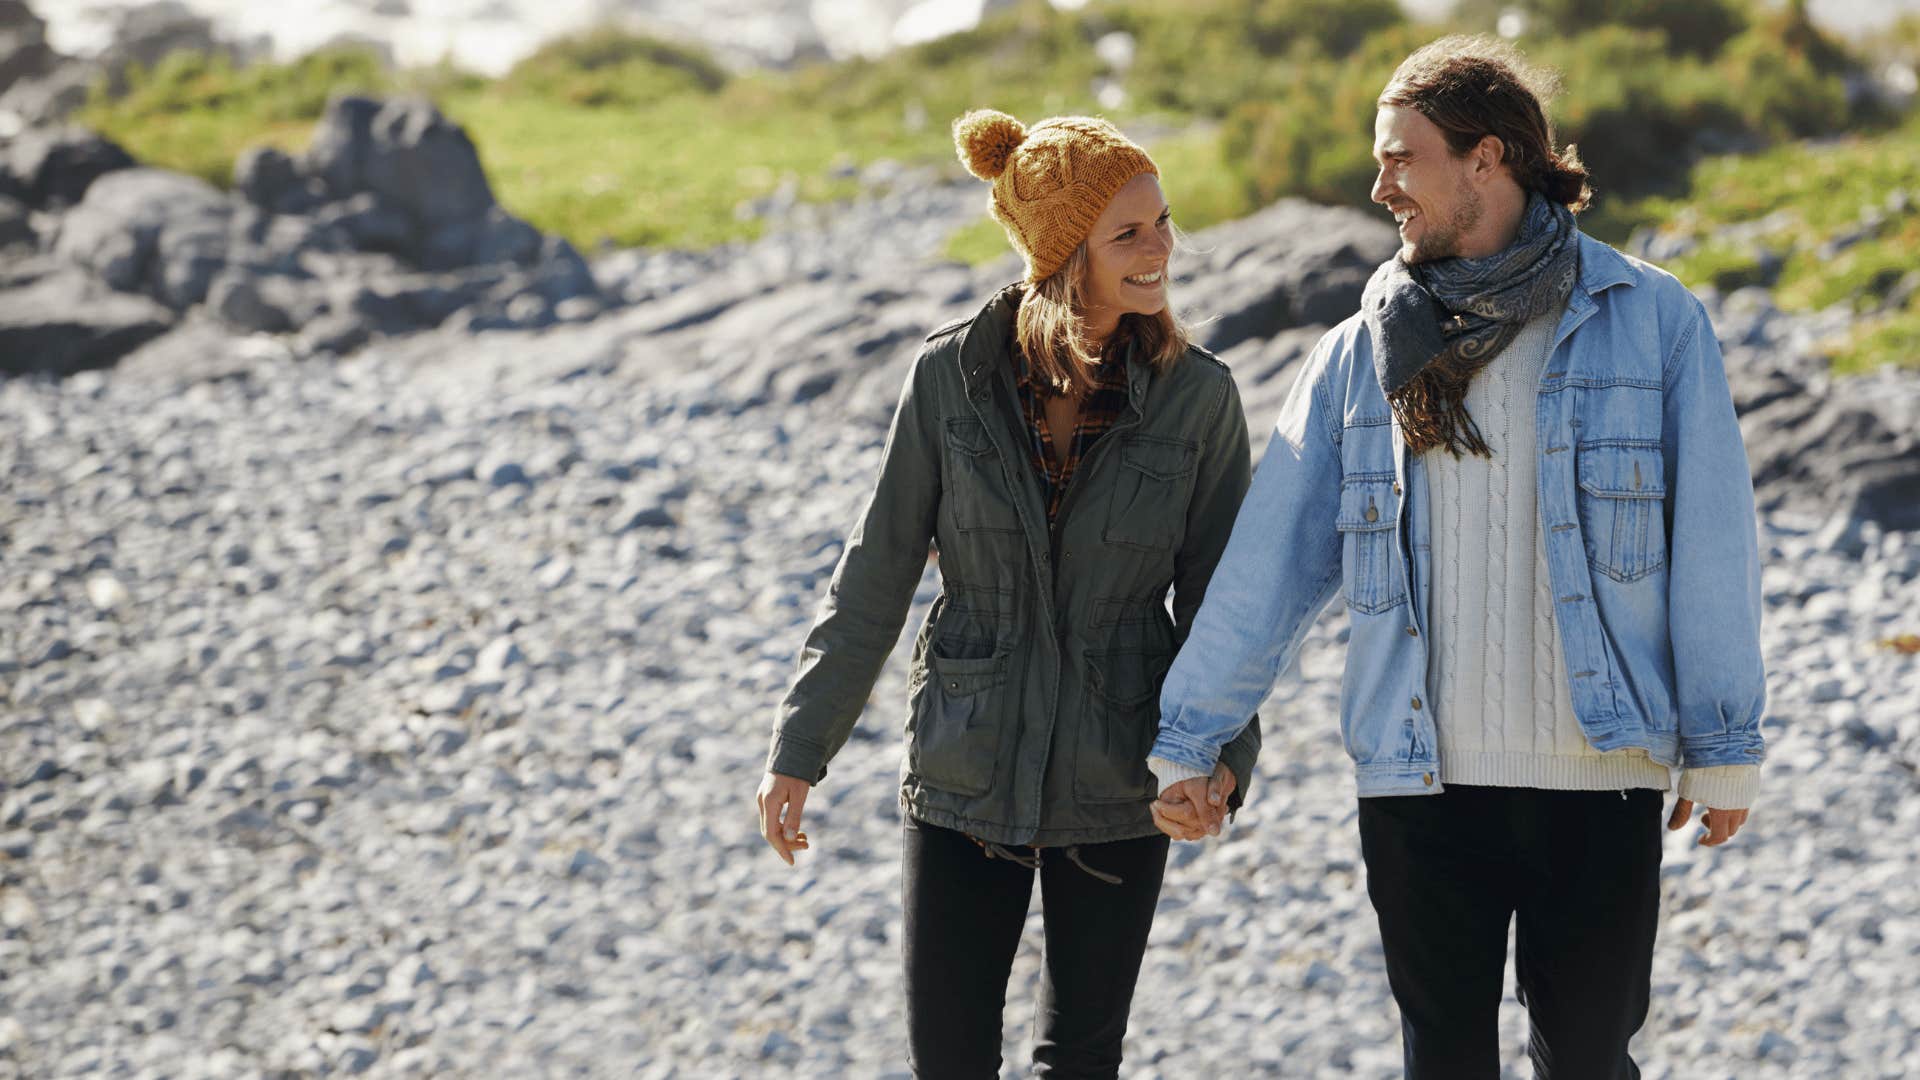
986,140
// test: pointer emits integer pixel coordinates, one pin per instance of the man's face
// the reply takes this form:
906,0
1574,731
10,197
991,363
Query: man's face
1423,183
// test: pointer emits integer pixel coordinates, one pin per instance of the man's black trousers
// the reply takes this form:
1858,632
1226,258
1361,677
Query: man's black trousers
1579,871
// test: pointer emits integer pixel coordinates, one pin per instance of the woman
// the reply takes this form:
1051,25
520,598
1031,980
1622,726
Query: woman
1072,456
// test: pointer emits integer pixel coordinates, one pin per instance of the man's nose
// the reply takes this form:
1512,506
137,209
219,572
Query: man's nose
1380,186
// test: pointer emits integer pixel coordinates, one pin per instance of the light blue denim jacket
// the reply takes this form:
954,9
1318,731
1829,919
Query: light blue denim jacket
1645,502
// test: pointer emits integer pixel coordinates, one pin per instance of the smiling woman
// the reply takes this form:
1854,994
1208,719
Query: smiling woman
1073,458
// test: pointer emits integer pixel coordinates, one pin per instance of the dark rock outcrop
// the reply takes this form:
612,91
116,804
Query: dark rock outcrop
52,168
386,225
24,53
67,321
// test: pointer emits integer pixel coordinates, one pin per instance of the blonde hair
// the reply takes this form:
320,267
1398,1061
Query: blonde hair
1051,333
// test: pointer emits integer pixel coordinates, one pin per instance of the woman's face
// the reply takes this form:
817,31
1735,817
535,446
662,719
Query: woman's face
1127,256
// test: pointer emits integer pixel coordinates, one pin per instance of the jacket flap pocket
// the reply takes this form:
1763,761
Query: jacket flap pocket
1367,506
1622,472
1127,680
963,678
968,436
1162,459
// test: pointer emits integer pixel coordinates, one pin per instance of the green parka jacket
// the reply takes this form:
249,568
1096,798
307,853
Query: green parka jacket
1035,680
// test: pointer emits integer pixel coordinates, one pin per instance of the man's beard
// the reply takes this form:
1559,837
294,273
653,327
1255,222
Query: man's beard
1443,242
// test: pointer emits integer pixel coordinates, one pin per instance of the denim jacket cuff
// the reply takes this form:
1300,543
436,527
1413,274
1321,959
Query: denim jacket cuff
1171,747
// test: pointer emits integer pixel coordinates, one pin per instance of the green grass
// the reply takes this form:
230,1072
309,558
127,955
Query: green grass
616,138
1812,192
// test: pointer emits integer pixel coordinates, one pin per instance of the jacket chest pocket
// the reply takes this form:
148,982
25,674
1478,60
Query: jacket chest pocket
1622,502
1369,510
1117,729
1151,488
954,738
976,486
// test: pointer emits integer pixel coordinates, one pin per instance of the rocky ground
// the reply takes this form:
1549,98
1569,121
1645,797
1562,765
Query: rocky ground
401,715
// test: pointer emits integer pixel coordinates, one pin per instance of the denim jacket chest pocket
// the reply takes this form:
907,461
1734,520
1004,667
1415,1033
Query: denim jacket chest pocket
1622,502
976,492
1370,566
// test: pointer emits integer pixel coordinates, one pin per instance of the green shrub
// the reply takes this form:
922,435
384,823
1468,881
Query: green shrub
1317,140
1698,28
610,66
1634,111
612,135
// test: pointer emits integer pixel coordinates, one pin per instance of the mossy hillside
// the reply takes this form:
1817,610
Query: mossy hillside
612,137
1820,222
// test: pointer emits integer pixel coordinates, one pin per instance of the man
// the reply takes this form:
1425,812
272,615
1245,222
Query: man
1520,463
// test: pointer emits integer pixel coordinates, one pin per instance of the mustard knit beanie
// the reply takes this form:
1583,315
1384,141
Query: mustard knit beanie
1050,181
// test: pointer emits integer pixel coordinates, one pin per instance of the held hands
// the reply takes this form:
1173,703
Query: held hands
1720,824
1192,809
781,799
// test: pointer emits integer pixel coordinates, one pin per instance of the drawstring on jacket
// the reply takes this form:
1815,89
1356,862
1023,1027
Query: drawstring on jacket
1032,862
997,851
1073,856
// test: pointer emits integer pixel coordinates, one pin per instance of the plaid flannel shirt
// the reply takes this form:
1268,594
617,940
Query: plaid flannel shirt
1098,411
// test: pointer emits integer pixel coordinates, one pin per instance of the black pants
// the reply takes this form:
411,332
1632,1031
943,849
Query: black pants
1579,869
964,915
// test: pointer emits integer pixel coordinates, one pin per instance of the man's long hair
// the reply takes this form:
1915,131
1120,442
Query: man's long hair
1475,86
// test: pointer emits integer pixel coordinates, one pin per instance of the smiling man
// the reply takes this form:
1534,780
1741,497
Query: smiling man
1520,464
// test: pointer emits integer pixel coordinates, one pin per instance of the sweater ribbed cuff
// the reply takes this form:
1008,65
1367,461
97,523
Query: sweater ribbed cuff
1170,773
1722,787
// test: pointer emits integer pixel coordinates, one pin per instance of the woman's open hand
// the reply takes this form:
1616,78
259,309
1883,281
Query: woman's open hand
781,799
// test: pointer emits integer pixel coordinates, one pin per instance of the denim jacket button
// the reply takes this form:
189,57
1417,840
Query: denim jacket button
1413,631
1427,779
1416,704
1373,514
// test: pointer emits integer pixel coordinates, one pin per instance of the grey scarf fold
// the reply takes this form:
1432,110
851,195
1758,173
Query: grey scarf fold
1436,324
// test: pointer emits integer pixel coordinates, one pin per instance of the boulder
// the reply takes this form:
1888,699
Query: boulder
54,167
150,231
239,301
16,224
267,177
494,236
366,222
425,164
1291,264
24,52
44,100
67,322
342,141
407,180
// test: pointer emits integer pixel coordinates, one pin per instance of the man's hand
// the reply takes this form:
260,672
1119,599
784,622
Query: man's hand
781,799
1720,824
1194,808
